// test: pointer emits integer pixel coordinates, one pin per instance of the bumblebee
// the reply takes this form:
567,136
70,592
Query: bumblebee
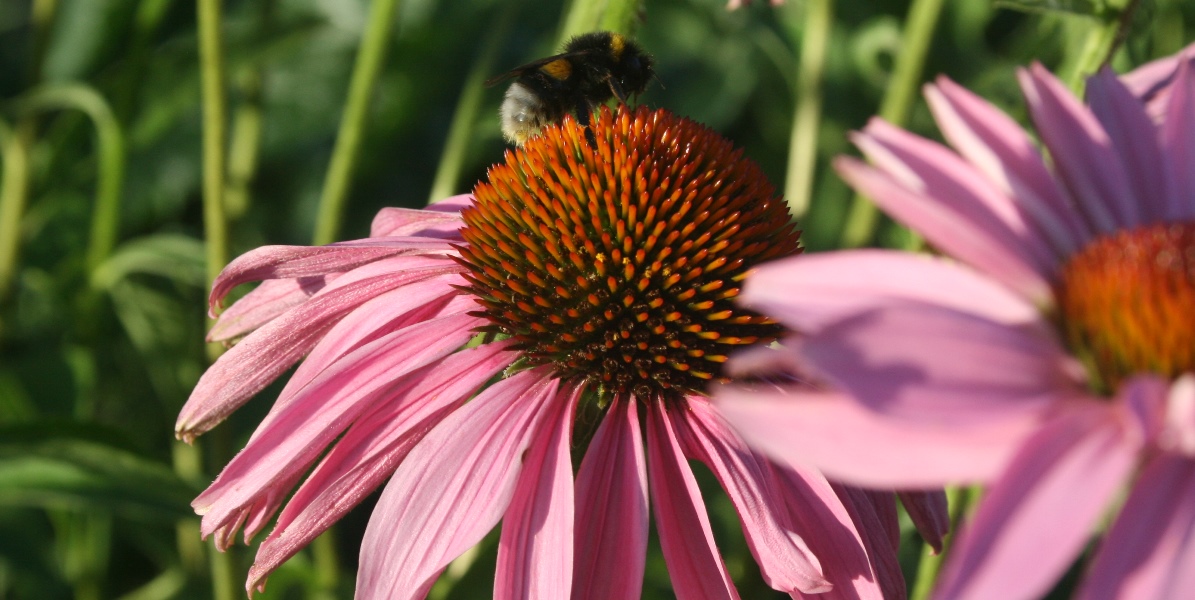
593,68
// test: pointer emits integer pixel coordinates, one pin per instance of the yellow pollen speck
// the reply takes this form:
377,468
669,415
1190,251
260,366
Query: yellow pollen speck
560,69
617,44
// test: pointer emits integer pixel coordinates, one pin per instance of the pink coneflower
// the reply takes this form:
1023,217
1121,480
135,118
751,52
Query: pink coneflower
595,281
1054,364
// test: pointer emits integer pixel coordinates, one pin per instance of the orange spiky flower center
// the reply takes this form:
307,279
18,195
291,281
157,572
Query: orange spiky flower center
1128,303
618,262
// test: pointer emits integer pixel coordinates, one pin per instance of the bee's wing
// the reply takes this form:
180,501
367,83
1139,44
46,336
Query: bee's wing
531,66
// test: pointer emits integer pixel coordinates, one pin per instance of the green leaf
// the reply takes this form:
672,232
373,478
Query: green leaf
44,467
1071,7
173,256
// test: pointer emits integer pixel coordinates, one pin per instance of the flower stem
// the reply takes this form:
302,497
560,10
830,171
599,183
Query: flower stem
214,111
802,147
370,57
959,500
898,99
1100,43
211,68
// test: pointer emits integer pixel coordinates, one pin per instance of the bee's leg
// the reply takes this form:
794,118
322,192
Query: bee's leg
584,115
616,89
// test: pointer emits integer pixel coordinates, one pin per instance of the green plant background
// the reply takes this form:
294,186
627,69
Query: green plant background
106,244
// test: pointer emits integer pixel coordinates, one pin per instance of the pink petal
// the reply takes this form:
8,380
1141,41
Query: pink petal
291,262
372,448
1178,142
955,222
535,552
1150,551
810,291
875,518
930,515
850,443
696,569
1178,430
612,519
1153,81
295,436
1039,514
266,353
998,147
820,517
1082,152
384,314
962,370
1135,142
785,560
260,306
441,220
453,487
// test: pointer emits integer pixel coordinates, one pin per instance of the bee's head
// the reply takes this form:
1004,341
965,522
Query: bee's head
635,71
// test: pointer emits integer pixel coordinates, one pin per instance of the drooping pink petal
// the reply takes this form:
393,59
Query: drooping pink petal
295,436
1152,81
535,551
440,222
932,364
850,443
929,513
1037,516
810,291
997,146
696,568
818,514
875,518
372,448
955,224
1082,152
612,520
264,354
785,560
292,262
453,487
1135,141
1150,551
1178,142
260,306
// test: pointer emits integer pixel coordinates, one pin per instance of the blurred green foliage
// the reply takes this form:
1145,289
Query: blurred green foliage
102,302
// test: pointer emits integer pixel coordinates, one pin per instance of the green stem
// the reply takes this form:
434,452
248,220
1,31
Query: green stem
1103,36
802,147
214,111
326,563
224,583
898,100
460,132
15,148
370,57
959,500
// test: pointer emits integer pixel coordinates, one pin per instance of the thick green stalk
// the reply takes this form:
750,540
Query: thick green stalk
214,116
898,99
802,146
224,581
370,57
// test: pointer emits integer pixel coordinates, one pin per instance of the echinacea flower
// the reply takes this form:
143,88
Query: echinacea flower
453,350
1054,361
